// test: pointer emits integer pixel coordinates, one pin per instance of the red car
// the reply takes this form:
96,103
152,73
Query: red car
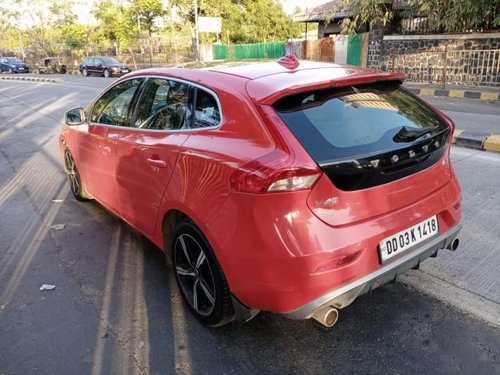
291,187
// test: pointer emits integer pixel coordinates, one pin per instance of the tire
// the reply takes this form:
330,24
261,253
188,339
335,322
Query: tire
75,181
85,73
200,277
106,73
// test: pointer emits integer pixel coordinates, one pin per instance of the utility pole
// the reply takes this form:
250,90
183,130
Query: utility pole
196,31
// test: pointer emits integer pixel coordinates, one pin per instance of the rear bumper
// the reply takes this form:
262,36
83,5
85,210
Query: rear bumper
345,295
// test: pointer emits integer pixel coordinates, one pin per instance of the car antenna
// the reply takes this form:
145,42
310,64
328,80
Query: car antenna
289,61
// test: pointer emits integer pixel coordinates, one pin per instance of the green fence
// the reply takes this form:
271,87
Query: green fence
354,48
249,51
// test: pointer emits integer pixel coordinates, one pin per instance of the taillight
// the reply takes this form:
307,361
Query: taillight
286,168
261,177
295,179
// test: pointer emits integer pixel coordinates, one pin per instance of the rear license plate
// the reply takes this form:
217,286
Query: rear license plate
404,240
124,70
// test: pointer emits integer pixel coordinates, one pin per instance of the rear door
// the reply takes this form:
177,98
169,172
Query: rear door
146,151
97,66
379,147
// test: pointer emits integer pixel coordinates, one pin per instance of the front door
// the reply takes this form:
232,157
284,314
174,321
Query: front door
146,153
96,149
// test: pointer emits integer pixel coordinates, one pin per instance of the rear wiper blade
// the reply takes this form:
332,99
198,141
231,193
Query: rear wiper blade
407,134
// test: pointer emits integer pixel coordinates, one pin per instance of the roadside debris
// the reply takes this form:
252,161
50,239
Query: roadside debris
57,200
57,226
47,287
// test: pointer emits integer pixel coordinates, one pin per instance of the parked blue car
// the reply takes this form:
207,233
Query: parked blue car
13,65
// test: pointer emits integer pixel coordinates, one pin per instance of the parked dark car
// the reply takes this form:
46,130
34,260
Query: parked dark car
103,66
13,65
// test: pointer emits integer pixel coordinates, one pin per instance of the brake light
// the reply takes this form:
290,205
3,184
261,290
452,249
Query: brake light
286,168
261,177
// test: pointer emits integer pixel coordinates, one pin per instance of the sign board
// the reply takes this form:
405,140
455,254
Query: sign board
209,24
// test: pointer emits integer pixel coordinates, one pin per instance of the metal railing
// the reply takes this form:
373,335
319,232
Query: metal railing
455,67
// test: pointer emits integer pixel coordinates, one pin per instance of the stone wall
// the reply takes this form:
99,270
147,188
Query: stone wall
472,59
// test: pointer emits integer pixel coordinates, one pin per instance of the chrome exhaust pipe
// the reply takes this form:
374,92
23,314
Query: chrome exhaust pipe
453,245
326,316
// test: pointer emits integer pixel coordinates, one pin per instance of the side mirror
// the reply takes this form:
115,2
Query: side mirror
75,117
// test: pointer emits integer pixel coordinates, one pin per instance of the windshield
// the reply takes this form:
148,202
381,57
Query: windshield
13,60
109,60
355,121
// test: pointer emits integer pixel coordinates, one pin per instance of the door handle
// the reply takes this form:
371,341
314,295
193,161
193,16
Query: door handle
157,162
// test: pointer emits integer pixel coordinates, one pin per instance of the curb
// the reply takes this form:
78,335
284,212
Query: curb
477,140
453,93
32,79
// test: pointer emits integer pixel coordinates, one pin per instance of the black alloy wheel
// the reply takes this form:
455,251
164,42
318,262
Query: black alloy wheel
74,179
199,276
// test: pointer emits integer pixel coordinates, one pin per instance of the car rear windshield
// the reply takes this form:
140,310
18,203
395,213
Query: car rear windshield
358,121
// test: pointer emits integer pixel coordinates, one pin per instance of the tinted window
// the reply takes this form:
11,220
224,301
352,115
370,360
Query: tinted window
207,111
109,60
113,107
164,105
350,122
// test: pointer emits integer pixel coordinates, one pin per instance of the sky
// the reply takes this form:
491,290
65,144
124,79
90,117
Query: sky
83,7
289,5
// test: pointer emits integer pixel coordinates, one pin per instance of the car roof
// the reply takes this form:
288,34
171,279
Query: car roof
266,82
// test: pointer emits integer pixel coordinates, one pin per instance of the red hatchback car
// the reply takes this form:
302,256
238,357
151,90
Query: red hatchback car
291,187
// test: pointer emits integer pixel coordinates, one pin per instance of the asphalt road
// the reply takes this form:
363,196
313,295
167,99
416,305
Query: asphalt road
470,114
116,310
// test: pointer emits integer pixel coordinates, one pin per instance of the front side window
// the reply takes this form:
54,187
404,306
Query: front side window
112,108
164,105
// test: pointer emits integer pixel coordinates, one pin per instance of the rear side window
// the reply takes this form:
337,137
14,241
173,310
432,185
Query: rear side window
207,111
354,122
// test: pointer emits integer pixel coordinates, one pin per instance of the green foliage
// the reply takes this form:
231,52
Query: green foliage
456,15
74,36
496,22
116,23
444,16
146,11
244,21
363,12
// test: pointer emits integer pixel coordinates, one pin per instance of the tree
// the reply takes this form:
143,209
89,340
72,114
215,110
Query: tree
38,22
116,24
146,12
244,21
456,15
363,12
443,16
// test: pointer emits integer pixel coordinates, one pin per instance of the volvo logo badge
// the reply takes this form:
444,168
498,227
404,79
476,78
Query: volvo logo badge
394,158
